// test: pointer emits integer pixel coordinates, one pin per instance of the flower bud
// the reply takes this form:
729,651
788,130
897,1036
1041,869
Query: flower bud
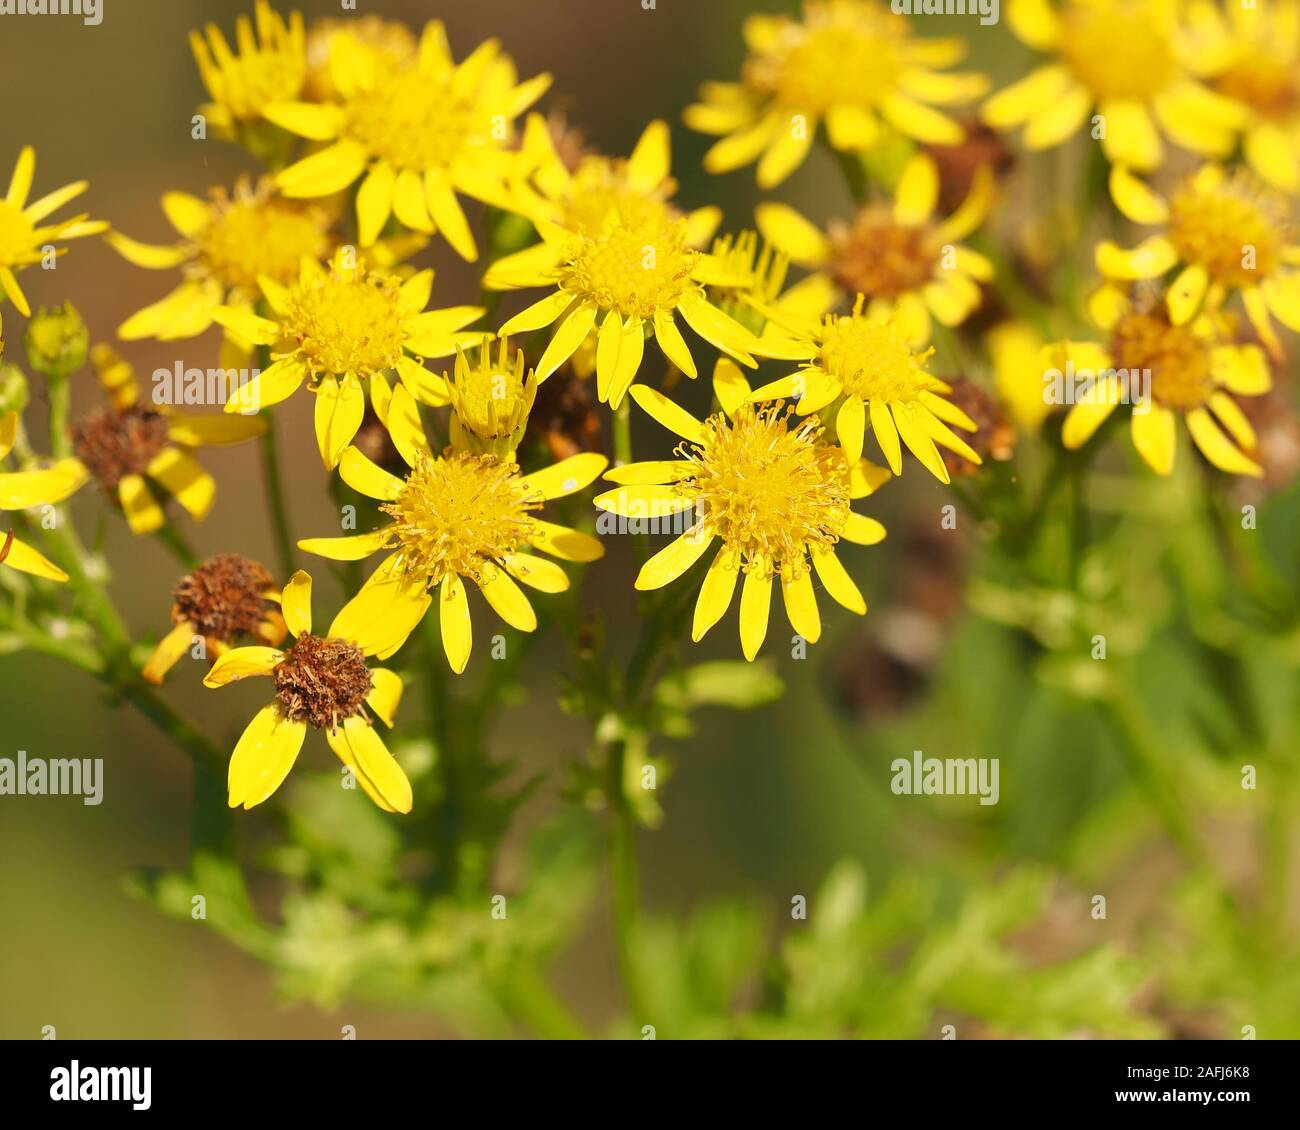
57,341
13,390
490,400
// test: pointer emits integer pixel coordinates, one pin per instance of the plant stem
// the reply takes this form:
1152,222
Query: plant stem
623,878
276,499
622,426
177,546
60,400
527,996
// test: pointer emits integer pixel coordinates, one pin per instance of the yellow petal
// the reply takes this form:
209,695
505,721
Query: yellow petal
270,386
1216,446
565,477
1148,260
375,202
324,173
1130,137
368,478
25,559
143,514
801,603
882,427
1018,102
651,160
352,548
861,530
20,490
729,385
671,415
453,616
674,559
1155,438
850,427
1186,293
788,231
263,757
214,430
1135,199
508,600
673,344
571,334
295,603
838,583
1086,416
564,543
147,255
243,663
385,694
168,652
185,480
917,192
1058,119
536,572
405,428
716,592
755,607
377,765
382,615
447,214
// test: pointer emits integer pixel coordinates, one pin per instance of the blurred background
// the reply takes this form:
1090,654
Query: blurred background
762,804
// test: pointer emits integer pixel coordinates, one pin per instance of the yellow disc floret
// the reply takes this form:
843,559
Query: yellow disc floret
768,487
872,359
1234,228
415,122
259,234
1176,359
1120,48
637,266
346,321
458,511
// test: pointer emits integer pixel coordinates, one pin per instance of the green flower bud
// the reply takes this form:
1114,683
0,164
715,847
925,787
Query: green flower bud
57,341
13,390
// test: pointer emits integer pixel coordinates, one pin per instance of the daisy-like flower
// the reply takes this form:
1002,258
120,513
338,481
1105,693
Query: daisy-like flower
765,485
491,399
578,200
130,444
392,42
901,257
322,682
1193,372
457,517
226,597
1227,231
23,489
268,66
340,328
846,64
634,275
227,243
414,136
23,239
866,365
1131,63
1252,55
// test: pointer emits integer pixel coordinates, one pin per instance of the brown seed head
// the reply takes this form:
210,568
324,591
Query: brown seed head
322,681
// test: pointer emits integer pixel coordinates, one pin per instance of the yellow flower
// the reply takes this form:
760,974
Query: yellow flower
414,136
635,274
22,242
129,444
227,244
1191,369
391,40
579,200
1015,348
1227,231
341,328
323,682
1124,60
459,517
20,490
846,64
1252,55
226,597
765,485
490,400
899,256
269,67
866,363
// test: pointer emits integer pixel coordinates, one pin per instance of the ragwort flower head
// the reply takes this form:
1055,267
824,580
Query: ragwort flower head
321,682
491,398
457,517
227,244
900,257
391,41
864,368
1195,371
267,67
764,484
1128,61
226,597
634,276
130,444
23,238
30,486
343,327
413,136
846,64
1225,231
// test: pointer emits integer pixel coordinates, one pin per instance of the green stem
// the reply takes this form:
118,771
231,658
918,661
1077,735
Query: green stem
60,399
622,426
177,546
623,879
276,498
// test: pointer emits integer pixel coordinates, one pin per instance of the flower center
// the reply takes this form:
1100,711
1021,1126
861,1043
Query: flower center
872,359
458,510
765,484
1120,48
1178,361
1233,229
599,187
224,597
391,40
322,681
258,236
842,55
416,122
637,265
347,322
1269,86
879,257
113,444
16,233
